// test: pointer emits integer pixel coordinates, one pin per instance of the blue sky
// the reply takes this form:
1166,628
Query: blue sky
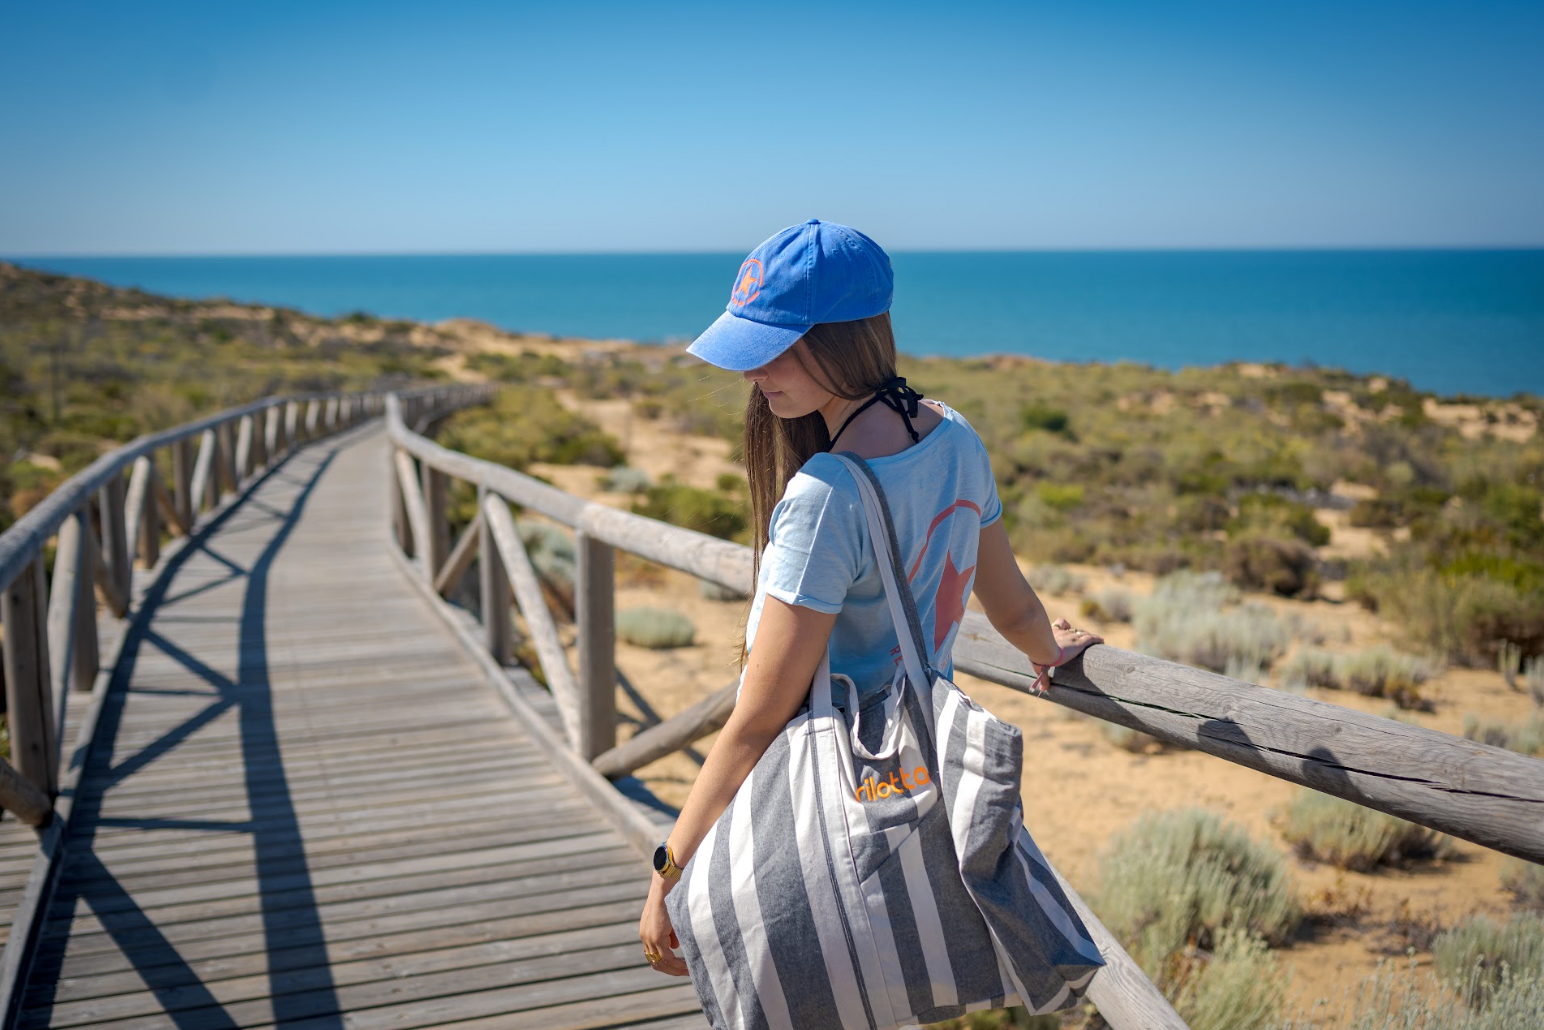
273,127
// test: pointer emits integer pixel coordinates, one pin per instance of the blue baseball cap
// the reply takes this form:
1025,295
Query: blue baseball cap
809,273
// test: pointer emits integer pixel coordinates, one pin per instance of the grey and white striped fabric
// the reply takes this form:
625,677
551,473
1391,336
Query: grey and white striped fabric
877,874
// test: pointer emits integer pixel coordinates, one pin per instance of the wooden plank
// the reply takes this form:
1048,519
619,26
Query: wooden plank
533,605
351,893
595,615
244,978
681,730
639,831
404,936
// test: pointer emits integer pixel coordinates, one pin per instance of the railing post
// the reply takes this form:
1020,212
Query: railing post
436,503
313,412
595,603
292,419
260,455
29,708
330,419
494,584
115,538
243,449
272,445
226,478
199,491
72,629
182,482
144,516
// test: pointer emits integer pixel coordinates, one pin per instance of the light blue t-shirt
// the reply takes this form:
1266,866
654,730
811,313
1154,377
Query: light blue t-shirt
819,555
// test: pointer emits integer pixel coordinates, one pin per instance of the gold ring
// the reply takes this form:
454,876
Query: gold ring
651,956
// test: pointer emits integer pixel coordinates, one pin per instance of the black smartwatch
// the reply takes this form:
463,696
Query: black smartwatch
664,861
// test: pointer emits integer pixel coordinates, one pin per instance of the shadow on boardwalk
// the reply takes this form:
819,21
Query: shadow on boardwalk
294,941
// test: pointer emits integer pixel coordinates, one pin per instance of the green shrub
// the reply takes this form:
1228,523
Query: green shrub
1471,954
1062,497
1186,875
526,424
1211,638
1525,736
702,510
1525,881
1044,417
1053,579
1465,616
711,591
1276,514
624,479
1381,672
1348,835
655,627
1281,565
1191,592
1376,672
1109,605
1239,984
1309,667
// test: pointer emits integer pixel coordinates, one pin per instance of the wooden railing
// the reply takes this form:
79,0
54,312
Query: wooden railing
1480,793
105,518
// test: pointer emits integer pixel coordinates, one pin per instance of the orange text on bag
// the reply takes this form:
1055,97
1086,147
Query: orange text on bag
898,783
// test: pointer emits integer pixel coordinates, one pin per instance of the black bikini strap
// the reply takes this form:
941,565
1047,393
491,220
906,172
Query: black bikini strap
898,397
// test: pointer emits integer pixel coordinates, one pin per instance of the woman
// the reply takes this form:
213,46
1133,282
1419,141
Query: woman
808,326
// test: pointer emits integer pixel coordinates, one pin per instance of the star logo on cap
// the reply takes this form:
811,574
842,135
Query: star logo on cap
747,283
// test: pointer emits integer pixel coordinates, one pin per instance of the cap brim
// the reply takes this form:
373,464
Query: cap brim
740,344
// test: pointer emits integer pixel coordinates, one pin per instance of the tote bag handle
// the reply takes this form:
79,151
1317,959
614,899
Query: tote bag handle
903,607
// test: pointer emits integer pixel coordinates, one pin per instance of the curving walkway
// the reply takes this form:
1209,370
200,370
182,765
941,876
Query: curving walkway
306,807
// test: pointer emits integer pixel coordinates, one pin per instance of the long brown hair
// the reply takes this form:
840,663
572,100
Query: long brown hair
852,360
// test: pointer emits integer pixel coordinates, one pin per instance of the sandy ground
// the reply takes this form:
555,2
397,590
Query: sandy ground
1097,788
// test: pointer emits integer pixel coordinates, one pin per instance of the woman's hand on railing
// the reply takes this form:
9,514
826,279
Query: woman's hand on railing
1070,642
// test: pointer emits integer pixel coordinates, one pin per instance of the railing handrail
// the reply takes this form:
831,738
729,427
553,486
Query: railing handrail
23,540
1481,793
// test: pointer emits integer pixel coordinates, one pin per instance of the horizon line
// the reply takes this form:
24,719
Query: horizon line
1200,249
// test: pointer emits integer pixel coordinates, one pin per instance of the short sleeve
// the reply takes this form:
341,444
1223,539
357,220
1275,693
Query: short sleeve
816,547
992,506
992,510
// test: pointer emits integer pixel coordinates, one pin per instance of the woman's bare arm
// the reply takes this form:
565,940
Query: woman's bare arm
1010,603
778,671
789,643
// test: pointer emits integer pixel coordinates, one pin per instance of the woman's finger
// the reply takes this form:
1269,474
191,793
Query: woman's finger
672,964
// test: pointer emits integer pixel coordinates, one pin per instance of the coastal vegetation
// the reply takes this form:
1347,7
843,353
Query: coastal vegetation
1228,489
85,367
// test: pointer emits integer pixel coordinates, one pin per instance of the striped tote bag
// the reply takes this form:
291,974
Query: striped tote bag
874,871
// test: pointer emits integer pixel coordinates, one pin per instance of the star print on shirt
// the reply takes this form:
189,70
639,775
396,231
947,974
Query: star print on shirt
949,602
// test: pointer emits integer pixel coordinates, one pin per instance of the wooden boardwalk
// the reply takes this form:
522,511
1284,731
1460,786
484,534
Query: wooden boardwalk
307,807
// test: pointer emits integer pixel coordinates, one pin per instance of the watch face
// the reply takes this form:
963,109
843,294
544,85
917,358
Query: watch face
661,856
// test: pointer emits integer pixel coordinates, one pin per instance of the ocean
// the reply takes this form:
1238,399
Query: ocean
1448,321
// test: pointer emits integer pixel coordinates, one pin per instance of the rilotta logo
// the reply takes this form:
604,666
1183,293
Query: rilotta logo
897,783
747,283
